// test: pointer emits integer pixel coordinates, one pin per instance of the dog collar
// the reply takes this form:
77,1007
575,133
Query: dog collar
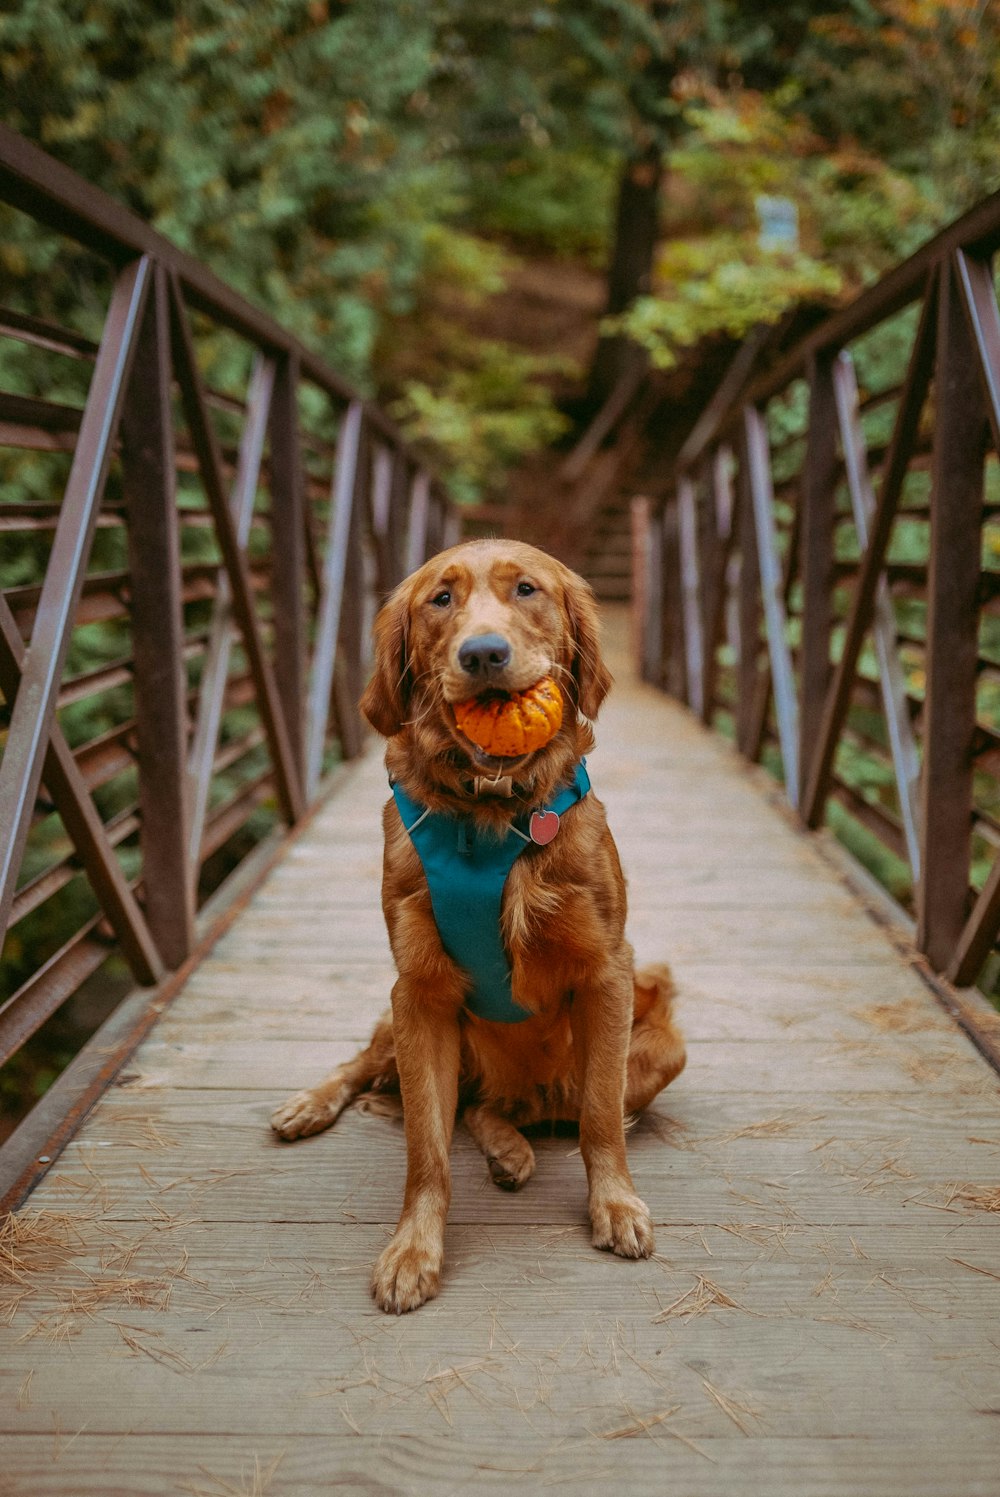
466,869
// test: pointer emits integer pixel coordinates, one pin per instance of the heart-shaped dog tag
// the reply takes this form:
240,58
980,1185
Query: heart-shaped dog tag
543,826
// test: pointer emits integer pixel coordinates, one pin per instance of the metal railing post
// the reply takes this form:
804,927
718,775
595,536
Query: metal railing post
289,555
149,469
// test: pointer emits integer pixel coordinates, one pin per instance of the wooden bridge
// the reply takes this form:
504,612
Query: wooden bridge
822,1314
183,1300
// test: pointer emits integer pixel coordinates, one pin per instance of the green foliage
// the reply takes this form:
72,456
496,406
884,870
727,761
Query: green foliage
552,200
878,121
723,284
712,274
488,410
474,404
317,155
917,82
891,872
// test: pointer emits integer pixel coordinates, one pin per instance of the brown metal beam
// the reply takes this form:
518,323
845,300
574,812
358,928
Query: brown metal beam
54,195
419,506
288,552
975,278
335,563
667,576
210,466
31,719
47,989
380,515
214,681
65,784
773,588
692,583
892,681
160,686
350,680
748,589
399,502
817,506
859,619
966,386
723,510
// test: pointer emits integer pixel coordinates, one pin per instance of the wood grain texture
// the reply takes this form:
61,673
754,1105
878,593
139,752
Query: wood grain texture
191,1314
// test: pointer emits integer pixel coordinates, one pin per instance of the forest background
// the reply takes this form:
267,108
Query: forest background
377,173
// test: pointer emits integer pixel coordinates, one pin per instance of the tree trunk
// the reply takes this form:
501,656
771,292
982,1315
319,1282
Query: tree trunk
637,220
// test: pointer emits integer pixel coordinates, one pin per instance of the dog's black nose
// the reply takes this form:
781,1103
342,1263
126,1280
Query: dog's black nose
484,655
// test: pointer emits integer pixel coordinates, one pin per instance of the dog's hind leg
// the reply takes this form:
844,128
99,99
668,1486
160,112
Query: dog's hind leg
373,1069
508,1153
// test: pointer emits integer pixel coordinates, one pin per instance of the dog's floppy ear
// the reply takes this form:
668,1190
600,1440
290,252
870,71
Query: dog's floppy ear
386,697
592,677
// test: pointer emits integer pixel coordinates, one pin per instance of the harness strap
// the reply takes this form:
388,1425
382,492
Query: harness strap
466,872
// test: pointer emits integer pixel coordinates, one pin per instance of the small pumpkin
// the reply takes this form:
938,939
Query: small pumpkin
509,726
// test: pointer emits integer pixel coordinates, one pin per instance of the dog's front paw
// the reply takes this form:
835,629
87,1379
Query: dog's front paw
406,1275
308,1112
623,1226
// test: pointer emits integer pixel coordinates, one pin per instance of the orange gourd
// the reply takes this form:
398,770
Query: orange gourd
508,726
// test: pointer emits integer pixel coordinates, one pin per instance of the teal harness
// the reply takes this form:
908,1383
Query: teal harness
466,872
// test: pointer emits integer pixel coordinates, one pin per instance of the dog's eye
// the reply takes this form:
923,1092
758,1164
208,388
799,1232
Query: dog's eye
525,589
442,600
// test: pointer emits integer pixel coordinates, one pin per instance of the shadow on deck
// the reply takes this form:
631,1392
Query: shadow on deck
189,1307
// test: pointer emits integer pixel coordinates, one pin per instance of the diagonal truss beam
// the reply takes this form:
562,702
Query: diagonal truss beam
763,685
451,529
704,556
897,461
905,760
975,278
380,506
348,678
748,611
288,550
65,784
969,399
646,527
691,588
206,448
722,501
34,708
222,630
345,478
420,509
772,586
399,495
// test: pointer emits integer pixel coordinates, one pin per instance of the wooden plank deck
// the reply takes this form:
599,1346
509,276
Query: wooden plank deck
187,1306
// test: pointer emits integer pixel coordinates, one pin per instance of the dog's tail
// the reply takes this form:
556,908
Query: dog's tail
657,1054
654,987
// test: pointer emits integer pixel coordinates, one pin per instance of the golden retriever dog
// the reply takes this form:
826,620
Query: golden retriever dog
584,1038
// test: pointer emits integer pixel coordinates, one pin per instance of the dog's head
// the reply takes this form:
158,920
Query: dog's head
481,618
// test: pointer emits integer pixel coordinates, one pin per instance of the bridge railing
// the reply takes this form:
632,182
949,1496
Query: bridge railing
820,577
197,519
